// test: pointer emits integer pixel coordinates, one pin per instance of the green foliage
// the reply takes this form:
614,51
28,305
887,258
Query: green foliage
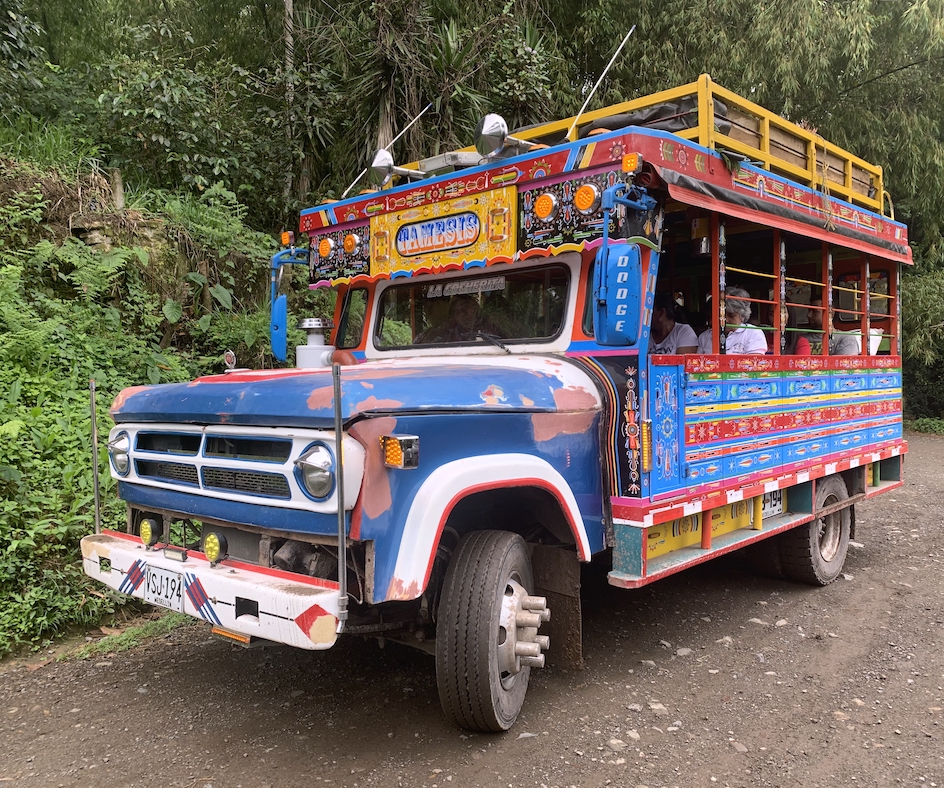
49,145
177,123
59,328
929,425
20,57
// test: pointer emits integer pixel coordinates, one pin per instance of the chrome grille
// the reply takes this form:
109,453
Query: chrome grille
272,485
248,449
169,471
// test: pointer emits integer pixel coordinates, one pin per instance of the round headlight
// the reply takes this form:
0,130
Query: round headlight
314,469
215,547
149,531
118,450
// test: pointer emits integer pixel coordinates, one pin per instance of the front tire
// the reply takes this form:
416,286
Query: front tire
482,683
815,552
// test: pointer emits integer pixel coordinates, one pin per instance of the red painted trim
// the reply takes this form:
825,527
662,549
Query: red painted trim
485,486
232,563
664,511
690,197
704,364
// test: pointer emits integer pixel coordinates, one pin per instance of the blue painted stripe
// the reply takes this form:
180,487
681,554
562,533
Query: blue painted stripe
262,515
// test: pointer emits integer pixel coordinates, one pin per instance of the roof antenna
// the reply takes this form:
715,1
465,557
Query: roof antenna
387,147
608,66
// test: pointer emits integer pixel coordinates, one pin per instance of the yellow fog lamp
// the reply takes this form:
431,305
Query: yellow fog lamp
587,198
150,531
545,207
326,247
632,163
215,547
400,451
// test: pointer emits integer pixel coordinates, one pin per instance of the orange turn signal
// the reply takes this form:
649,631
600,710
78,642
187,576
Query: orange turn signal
326,247
632,162
288,238
587,198
352,242
400,451
545,207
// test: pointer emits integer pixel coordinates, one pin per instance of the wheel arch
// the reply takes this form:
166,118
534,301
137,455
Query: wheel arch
455,492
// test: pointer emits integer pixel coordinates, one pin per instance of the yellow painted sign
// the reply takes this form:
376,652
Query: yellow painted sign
446,233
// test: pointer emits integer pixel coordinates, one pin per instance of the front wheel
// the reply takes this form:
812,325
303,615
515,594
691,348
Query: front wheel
486,631
816,551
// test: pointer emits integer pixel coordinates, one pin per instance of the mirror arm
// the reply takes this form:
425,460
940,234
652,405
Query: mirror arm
290,256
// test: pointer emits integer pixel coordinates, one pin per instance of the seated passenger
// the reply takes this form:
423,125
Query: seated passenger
704,334
742,337
796,344
465,322
667,335
839,344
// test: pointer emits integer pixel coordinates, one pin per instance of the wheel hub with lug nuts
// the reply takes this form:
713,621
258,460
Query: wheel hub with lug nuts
519,644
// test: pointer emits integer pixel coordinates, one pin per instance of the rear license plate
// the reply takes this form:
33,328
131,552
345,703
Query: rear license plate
773,503
164,588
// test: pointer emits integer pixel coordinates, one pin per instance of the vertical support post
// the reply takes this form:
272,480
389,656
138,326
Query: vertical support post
757,520
894,346
342,524
781,318
718,256
866,323
95,484
706,113
828,299
706,529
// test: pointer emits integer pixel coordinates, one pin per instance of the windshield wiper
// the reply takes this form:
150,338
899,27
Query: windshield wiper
493,339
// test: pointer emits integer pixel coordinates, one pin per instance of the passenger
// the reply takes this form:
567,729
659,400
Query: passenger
704,336
667,335
796,344
742,337
839,344
465,322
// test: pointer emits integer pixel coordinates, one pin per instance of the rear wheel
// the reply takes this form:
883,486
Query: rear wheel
816,551
484,642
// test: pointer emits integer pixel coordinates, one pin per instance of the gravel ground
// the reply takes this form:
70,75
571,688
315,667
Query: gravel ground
714,677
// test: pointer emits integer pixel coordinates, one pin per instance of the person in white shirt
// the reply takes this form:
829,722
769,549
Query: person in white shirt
742,338
704,342
667,335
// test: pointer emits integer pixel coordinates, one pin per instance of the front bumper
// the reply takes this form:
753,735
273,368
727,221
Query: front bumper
249,600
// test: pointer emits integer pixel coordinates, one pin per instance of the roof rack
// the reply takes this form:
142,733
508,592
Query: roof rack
719,119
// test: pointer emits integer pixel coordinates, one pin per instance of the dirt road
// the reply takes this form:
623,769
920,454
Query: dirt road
715,677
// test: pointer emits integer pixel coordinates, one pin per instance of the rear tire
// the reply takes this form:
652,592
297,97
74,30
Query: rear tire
815,552
479,687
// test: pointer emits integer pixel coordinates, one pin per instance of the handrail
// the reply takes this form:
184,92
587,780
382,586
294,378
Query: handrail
773,142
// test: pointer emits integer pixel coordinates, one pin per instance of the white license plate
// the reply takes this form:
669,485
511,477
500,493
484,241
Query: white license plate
773,503
164,588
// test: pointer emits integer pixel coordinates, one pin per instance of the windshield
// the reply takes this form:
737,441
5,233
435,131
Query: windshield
515,306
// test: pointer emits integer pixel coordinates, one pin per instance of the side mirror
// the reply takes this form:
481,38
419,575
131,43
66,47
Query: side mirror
382,169
617,287
491,134
278,329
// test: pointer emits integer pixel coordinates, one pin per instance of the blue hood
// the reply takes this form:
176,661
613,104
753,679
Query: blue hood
304,398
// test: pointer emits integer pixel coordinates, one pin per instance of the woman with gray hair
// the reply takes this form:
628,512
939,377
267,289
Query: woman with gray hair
742,337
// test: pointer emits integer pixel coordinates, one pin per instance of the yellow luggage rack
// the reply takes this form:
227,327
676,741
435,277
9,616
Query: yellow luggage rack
748,129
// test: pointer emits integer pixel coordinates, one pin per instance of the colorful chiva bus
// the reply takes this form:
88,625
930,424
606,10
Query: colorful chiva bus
514,386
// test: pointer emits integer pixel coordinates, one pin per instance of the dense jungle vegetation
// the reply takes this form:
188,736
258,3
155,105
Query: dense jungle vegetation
150,150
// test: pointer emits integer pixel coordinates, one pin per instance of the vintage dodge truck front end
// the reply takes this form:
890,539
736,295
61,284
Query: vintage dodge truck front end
233,488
